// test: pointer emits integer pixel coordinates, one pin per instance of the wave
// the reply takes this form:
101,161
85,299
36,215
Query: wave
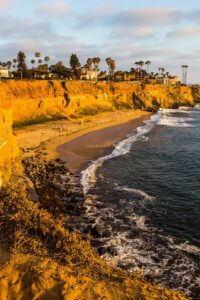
168,118
88,176
176,121
136,192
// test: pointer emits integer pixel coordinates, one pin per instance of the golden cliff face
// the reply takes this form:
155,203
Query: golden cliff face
38,275
9,151
39,100
32,100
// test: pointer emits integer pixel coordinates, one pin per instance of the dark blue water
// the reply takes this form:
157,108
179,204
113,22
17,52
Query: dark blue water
148,197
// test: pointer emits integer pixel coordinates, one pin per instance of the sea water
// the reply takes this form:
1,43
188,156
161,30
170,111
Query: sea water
147,191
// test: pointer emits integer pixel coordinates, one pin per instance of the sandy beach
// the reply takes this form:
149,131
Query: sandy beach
78,141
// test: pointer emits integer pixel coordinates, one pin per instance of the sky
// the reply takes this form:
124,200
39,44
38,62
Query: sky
165,32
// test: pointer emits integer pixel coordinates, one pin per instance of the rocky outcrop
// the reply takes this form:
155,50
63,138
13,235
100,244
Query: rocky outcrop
39,100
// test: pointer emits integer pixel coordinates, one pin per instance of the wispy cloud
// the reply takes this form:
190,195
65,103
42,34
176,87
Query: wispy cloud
185,32
54,9
5,4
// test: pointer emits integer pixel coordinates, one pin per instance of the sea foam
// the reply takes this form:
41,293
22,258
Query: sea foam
88,176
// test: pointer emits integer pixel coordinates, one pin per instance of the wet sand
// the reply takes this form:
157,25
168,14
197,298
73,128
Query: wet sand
78,152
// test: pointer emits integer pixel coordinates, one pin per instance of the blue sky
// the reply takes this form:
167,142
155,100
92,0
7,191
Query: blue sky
165,32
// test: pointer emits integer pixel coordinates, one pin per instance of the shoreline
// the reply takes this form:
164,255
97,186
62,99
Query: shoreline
78,152
49,137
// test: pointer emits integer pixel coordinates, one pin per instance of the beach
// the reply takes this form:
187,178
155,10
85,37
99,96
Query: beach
78,141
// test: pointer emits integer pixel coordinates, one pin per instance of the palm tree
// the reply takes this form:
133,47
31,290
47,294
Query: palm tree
89,63
137,63
9,64
111,66
33,62
96,61
141,63
108,61
47,59
37,55
148,62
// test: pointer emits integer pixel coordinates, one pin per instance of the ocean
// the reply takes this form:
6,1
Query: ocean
146,193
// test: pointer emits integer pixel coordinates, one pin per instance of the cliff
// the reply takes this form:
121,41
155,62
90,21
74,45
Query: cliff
9,151
38,101
48,261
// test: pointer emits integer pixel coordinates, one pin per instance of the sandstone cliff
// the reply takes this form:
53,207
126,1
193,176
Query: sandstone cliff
9,151
40,100
48,261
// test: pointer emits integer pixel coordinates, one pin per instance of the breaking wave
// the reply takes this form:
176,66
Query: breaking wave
88,176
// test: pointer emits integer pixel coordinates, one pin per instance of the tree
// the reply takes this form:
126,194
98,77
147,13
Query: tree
74,62
141,63
137,63
43,67
33,62
9,64
21,59
111,66
108,61
89,63
39,61
148,62
37,54
61,71
14,62
47,59
96,61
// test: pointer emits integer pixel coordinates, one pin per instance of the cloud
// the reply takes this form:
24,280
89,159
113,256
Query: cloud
109,16
193,15
130,34
54,9
4,4
185,32
146,16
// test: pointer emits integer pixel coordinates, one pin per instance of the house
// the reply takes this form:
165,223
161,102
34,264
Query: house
125,76
88,74
141,74
4,72
167,80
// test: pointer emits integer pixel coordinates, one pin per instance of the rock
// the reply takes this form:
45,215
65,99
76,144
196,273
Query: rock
112,250
99,231
101,250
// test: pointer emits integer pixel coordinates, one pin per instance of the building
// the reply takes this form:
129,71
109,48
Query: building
125,76
88,74
4,72
168,80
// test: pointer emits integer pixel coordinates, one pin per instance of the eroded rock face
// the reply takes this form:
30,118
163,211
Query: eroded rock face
9,151
42,99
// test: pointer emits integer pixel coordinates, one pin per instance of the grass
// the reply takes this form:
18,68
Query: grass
91,111
39,120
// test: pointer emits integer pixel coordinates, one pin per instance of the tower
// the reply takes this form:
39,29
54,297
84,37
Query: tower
184,74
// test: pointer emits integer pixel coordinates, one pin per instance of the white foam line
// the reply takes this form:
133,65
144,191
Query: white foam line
88,177
136,192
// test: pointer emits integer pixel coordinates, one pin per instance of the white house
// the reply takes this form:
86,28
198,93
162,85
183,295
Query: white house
4,72
88,74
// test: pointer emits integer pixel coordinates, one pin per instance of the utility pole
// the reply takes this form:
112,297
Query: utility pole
184,74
